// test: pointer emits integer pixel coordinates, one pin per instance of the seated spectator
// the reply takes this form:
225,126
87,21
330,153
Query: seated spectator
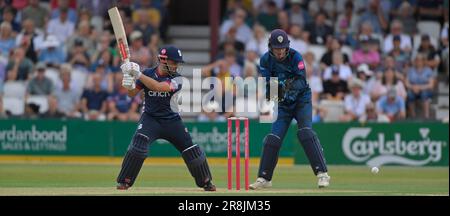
9,14
397,31
356,102
7,41
104,45
40,84
431,53
319,30
392,105
345,72
366,32
141,54
52,112
106,78
61,26
297,15
36,12
297,42
430,10
94,101
231,42
237,21
371,115
315,83
121,107
364,74
283,21
343,34
31,39
79,57
259,40
349,19
85,35
375,16
310,62
64,6
52,54
420,83
31,111
405,14
66,96
389,80
269,16
222,68
333,44
400,56
20,65
365,55
335,88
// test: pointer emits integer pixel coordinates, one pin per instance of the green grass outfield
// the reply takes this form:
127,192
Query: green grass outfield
99,179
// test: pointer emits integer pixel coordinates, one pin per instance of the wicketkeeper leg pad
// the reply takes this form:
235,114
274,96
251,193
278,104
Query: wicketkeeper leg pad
269,158
197,164
134,158
314,151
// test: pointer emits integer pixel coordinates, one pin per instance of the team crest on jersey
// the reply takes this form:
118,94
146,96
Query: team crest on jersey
280,39
301,65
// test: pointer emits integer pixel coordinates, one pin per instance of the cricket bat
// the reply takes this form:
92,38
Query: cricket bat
119,32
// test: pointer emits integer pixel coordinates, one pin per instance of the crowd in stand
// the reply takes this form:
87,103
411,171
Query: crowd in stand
377,59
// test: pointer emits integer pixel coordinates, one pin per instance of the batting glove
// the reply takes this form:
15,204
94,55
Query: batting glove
132,69
128,81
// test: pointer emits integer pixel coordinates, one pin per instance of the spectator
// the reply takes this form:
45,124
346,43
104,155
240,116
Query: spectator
40,85
375,16
37,13
297,42
317,6
66,95
93,101
31,39
405,15
397,30
20,65
8,16
104,45
333,45
31,111
356,102
348,18
319,30
316,85
269,17
365,55
366,32
52,111
310,62
364,74
400,56
143,25
259,40
121,107
371,115
84,34
65,6
344,35
51,54
345,72
297,15
237,21
232,43
61,26
430,52
7,41
106,81
335,88
388,81
392,105
420,83
141,54
283,21
79,57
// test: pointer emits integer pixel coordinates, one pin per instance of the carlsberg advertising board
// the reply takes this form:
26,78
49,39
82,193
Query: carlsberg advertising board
412,144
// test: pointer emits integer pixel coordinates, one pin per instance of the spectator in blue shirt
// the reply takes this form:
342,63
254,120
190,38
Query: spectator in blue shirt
52,53
93,101
375,16
420,82
392,105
